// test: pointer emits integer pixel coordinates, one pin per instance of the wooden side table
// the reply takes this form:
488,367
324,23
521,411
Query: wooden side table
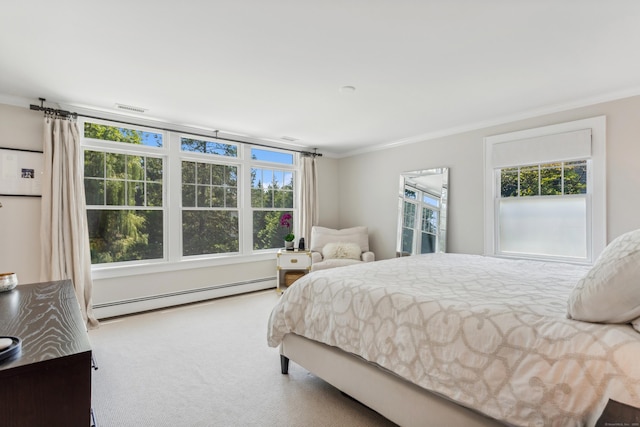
291,261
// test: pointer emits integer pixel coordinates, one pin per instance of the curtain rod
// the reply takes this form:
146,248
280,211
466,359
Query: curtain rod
65,113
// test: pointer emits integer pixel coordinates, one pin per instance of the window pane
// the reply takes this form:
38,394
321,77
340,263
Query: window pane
154,194
154,169
209,232
429,220
407,240
203,196
278,179
122,134
268,198
257,199
509,182
203,173
551,179
428,243
188,172
115,193
94,191
409,219
135,167
430,200
267,231
231,197
529,180
549,226
116,165
217,174
271,156
188,195
231,176
575,177
125,235
217,197
288,200
410,194
135,193
208,147
287,181
93,164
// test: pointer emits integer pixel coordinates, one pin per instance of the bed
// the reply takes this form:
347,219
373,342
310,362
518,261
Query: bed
452,339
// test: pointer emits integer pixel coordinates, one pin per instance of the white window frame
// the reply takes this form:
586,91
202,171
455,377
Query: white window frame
172,199
418,217
596,191
248,209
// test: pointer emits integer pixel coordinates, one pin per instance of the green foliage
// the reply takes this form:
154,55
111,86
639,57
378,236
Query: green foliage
123,180
208,147
209,232
267,232
113,179
545,180
112,133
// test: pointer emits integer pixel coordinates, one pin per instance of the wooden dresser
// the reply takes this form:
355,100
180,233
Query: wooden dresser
49,382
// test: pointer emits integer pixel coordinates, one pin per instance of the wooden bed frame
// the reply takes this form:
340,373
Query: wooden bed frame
396,399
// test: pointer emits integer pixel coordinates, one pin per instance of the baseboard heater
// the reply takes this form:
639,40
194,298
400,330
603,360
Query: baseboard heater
110,309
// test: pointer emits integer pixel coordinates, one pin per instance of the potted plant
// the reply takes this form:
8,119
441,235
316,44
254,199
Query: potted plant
285,221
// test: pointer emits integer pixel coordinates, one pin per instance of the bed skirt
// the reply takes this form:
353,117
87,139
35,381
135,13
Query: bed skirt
396,399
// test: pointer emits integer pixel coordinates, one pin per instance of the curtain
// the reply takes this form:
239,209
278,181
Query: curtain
63,228
309,198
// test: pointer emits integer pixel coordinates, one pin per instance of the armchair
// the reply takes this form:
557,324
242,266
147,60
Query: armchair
336,248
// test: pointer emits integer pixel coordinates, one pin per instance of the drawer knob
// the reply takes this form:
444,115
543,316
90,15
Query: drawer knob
293,261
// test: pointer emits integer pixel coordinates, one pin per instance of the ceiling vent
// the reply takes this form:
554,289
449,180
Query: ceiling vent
131,108
289,138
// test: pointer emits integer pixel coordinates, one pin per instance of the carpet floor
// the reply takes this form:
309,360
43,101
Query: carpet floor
208,364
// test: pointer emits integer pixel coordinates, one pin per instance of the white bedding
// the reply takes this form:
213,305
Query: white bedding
488,333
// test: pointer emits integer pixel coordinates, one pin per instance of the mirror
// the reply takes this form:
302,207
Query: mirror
422,212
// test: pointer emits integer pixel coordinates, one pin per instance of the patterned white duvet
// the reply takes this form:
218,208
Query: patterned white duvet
488,333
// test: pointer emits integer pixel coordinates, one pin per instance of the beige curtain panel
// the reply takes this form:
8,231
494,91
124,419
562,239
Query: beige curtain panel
309,198
63,228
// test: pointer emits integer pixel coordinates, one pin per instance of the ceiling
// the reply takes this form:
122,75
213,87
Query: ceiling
274,68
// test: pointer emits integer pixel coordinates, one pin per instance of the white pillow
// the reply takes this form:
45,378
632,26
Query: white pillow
610,291
341,250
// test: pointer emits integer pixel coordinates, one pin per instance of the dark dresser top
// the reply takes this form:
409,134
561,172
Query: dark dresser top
46,317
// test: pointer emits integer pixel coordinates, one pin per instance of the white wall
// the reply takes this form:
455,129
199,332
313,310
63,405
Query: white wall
328,190
356,190
20,216
369,182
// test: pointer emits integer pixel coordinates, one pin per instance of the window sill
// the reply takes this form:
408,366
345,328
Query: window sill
566,260
151,267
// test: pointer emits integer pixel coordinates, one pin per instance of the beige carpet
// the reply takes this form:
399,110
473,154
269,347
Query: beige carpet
208,364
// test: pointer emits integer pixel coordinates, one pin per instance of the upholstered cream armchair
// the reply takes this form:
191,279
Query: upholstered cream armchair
336,248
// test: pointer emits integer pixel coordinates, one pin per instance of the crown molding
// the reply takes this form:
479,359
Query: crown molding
529,114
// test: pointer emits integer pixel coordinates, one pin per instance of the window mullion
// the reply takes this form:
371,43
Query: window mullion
173,199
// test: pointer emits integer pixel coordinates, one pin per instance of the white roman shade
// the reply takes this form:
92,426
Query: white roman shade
543,149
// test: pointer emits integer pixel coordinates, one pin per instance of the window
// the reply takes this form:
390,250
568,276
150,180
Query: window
545,192
542,210
209,208
272,194
124,195
164,196
420,221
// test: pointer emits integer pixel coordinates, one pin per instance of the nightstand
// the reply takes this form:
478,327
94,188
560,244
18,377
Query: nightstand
295,261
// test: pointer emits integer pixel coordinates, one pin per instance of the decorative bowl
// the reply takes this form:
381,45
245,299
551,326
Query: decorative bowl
8,281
